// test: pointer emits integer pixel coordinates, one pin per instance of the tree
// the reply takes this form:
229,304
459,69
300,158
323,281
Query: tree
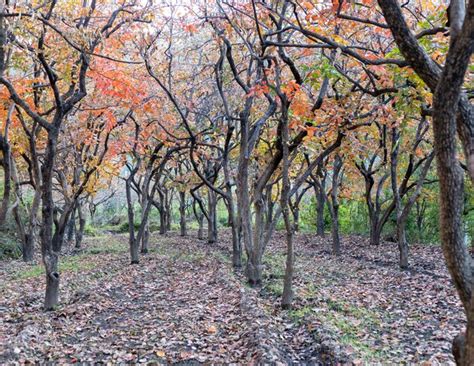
65,88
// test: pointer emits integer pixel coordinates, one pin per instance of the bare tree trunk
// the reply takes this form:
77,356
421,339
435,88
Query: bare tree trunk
134,245
319,186
82,225
212,219
336,240
287,296
401,236
50,250
199,218
320,213
7,178
253,266
182,213
160,205
31,231
333,204
146,230
168,208
402,245
296,218
71,226
234,225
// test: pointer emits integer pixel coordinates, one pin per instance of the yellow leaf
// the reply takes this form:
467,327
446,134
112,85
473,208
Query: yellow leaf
160,353
212,329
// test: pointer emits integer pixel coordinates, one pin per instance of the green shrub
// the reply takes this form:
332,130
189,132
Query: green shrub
90,230
124,228
9,246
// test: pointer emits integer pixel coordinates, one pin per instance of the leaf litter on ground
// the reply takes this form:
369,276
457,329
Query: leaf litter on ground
183,303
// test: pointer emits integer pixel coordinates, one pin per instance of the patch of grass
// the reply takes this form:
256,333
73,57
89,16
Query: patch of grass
221,257
109,228
68,264
275,288
275,264
192,256
349,322
33,271
368,353
110,247
90,230
297,315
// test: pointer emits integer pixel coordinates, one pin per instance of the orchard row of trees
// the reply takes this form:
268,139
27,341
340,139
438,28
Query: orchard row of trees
252,103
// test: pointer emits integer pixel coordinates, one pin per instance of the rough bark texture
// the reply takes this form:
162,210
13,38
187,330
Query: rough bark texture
50,250
451,177
447,101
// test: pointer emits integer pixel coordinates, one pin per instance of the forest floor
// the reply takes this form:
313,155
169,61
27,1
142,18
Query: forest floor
183,304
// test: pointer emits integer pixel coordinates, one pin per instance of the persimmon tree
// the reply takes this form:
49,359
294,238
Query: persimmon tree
62,73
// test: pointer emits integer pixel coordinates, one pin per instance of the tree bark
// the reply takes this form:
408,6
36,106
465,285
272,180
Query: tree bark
447,102
133,244
50,250
71,226
287,296
182,213
333,204
212,216
82,225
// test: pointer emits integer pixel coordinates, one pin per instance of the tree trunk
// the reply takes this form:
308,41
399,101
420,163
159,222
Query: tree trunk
82,225
162,220
375,231
287,296
182,213
201,227
234,225
146,230
334,204
320,201
27,240
31,230
168,199
50,260
50,250
28,247
296,218
145,238
6,180
71,226
199,217
133,244
253,266
336,240
254,263
161,210
402,244
212,220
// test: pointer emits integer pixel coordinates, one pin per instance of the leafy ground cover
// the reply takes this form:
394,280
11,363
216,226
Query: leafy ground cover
183,304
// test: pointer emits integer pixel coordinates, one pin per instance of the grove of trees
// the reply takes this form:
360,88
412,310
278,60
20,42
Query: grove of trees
263,109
